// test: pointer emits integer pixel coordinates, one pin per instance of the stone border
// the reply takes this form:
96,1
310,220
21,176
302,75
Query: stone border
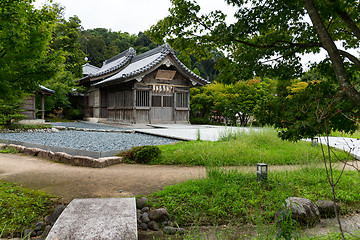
62,157
62,128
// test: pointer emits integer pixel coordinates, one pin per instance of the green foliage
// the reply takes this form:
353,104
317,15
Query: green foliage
231,197
141,154
261,43
306,109
249,148
25,58
9,113
287,227
8,149
235,102
20,207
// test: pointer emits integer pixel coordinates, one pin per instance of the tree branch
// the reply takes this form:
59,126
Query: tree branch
348,20
274,45
329,45
2,52
351,57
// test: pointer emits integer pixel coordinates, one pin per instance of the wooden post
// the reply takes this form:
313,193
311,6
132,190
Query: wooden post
42,106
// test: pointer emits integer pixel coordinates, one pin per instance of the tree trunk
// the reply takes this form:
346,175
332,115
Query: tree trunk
328,44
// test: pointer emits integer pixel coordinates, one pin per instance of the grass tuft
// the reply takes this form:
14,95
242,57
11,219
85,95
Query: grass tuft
240,148
21,207
231,197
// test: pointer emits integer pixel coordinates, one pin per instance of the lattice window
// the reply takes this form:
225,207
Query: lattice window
182,100
142,98
156,101
168,101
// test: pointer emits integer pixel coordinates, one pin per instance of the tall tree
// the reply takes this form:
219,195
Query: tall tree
25,34
272,31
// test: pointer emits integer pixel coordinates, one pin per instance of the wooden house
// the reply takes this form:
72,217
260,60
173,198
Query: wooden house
153,87
29,107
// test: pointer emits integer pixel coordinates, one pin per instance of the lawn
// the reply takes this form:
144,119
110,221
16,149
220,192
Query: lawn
241,149
21,207
231,197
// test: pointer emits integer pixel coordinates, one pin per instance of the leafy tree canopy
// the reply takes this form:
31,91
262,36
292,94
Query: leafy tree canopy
268,37
25,34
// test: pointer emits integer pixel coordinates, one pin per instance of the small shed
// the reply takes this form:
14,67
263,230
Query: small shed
29,106
153,87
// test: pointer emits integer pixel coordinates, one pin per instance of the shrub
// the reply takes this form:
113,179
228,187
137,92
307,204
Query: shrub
143,154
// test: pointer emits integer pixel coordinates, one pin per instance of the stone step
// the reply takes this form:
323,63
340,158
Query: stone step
97,218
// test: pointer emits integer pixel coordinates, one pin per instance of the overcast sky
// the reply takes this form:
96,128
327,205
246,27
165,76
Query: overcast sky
130,16
133,16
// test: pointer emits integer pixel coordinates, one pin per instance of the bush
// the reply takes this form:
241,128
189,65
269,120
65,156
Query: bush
9,113
143,154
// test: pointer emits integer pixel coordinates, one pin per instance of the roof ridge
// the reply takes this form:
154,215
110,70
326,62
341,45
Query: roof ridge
120,55
164,49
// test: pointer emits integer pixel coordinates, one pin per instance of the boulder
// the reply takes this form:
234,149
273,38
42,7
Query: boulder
169,230
145,218
62,157
45,154
152,225
51,219
326,208
159,215
303,211
141,202
39,226
143,226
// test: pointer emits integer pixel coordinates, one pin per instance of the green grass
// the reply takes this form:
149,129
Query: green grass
241,149
342,134
230,197
21,207
8,149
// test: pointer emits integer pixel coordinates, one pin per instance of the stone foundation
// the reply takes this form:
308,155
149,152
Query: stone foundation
62,157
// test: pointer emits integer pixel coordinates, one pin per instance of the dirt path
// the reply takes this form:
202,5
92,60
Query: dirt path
71,182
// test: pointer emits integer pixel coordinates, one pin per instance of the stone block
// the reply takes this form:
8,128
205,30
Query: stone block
46,154
82,161
62,157
97,218
32,151
3,145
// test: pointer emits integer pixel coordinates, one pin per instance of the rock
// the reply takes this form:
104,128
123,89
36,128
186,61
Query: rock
145,209
180,231
159,215
46,154
326,208
32,151
60,128
62,157
152,225
39,226
138,221
82,161
39,233
145,218
141,202
143,226
166,223
3,145
303,211
55,130
55,215
169,230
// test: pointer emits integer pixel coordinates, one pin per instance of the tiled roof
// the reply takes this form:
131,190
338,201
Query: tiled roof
89,69
45,89
146,61
115,63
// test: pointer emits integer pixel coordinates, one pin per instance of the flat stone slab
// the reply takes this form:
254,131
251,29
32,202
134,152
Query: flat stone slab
97,218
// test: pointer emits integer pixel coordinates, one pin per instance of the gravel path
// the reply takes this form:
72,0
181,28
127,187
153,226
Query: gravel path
90,141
